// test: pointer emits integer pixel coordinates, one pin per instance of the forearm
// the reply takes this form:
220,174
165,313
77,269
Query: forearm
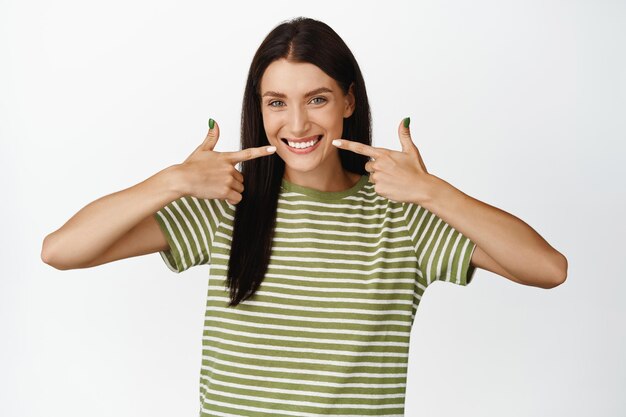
102,222
512,243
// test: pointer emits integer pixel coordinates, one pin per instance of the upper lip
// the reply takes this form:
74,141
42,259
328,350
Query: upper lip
303,139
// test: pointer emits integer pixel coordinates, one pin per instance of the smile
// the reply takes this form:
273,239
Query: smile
302,147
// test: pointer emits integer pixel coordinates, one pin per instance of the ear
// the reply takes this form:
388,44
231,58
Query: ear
350,102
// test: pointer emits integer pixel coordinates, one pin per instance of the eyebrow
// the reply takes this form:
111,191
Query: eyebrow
310,93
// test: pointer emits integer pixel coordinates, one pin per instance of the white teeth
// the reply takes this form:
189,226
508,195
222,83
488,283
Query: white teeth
302,145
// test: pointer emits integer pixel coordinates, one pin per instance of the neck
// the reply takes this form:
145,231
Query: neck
331,178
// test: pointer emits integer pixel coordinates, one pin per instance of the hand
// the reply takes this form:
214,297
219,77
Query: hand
397,175
211,174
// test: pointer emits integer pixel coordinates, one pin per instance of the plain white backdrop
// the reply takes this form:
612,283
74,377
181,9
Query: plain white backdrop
520,104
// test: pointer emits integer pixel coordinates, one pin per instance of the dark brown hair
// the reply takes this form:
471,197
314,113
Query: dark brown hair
298,40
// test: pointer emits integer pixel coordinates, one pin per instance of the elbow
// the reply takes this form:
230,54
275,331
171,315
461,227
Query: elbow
45,251
560,272
47,255
555,274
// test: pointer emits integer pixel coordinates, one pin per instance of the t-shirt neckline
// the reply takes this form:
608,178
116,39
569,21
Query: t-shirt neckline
324,195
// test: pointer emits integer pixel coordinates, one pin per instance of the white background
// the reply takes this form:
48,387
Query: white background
520,104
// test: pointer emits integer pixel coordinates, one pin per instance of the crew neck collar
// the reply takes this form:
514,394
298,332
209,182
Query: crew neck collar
324,195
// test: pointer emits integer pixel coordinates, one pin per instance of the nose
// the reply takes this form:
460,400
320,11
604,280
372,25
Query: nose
298,121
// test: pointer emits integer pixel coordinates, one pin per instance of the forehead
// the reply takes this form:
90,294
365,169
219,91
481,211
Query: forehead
295,78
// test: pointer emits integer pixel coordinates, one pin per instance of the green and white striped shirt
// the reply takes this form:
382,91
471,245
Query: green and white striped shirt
327,332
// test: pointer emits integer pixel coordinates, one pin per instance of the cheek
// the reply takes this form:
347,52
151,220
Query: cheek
270,127
333,118
271,123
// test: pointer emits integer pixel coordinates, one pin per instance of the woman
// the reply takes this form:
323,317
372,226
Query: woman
317,268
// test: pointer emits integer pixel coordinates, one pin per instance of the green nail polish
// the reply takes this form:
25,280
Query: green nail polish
211,123
407,121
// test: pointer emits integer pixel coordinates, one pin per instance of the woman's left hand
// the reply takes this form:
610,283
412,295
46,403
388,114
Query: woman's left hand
397,175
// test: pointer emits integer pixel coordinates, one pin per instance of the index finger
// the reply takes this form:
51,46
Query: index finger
249,153
358,147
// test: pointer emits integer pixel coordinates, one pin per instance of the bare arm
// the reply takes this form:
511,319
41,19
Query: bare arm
96,227
122,225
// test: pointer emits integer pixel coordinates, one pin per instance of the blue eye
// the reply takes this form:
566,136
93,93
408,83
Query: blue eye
320,98
272,102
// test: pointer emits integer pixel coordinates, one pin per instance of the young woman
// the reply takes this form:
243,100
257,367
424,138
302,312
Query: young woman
319,251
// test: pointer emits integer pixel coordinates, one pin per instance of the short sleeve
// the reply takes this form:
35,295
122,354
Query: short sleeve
189,225
443,253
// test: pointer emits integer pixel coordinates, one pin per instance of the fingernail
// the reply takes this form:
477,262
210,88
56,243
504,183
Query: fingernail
336,142
407,121
271,148
211,123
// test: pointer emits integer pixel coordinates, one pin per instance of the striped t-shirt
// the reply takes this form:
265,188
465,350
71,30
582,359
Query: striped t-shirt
327,332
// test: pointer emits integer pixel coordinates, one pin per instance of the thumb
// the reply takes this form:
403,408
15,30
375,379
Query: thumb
405,135
211,137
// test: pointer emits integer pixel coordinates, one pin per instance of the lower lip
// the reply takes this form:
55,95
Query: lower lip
306,150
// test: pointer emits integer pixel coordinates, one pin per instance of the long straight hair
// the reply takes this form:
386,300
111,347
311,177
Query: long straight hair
298,40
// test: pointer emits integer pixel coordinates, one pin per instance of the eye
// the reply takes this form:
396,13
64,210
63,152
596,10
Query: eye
273,103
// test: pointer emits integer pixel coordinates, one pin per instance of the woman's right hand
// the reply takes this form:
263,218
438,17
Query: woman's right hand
211,174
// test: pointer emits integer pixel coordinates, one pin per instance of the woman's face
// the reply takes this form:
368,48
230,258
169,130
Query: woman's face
300,103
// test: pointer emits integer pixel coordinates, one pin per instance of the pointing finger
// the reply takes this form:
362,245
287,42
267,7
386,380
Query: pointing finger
358,147
249,153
